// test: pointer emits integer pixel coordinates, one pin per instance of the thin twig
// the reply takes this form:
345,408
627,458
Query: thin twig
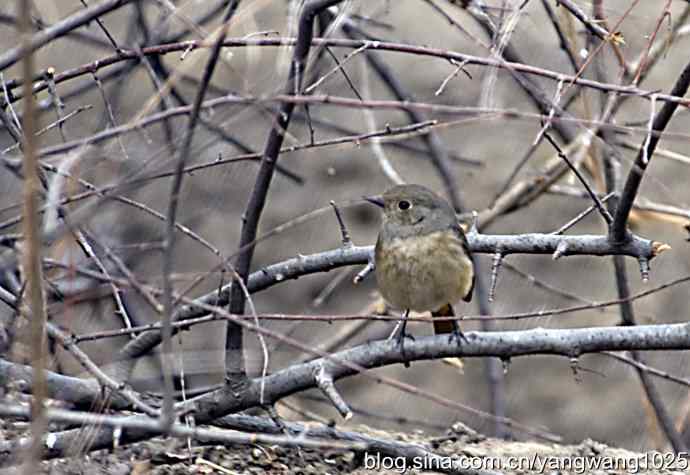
109,113
167,415
649,369
105,31
562,38
600,206
581,215
344,233
58,123
372,45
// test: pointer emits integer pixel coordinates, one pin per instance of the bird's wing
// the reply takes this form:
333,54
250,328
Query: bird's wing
468,297
465,246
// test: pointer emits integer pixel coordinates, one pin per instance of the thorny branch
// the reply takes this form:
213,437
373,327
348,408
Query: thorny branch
353,255
369,45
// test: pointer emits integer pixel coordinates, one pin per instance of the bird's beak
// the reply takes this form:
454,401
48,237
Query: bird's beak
376,200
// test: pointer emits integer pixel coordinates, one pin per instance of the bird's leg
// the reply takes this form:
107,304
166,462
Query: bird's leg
401,336
457,334
450,327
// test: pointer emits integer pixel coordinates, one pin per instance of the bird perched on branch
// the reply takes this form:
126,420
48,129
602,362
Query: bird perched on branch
423,262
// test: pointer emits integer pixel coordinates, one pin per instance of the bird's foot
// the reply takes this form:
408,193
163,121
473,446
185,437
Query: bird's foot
400,338
457,335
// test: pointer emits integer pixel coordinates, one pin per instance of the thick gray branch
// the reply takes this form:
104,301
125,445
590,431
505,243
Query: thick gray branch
120,429
80,392
505,344
482,243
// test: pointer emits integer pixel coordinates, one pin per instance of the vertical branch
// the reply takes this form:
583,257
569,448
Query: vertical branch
32,246
167,415
492,366
562,36
628,318
234,359
622,287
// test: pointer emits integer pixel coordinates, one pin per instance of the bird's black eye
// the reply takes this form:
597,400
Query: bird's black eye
404,205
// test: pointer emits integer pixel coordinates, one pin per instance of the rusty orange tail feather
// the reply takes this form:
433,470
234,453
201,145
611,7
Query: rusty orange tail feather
444,326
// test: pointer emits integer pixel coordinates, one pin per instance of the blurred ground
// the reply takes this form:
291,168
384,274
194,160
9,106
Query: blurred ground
603,402
165,457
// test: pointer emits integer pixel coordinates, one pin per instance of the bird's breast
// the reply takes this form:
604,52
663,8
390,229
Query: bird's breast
423,272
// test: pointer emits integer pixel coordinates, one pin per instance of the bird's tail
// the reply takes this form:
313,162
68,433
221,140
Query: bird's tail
445,326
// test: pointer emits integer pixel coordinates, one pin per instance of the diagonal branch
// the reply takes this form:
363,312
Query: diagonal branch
59,29
632,184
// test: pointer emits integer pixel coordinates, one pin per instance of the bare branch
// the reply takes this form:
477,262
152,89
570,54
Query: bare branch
632,184
358,255
600,206
123,429
57,30
354,44
569,343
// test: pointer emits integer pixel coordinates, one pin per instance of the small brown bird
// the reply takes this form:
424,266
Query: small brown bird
423,262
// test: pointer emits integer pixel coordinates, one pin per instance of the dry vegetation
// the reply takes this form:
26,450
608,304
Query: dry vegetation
184,275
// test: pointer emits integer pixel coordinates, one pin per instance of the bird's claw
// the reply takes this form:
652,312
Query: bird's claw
457,335
402,334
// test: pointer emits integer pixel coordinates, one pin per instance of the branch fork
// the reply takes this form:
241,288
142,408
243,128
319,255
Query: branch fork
324,381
